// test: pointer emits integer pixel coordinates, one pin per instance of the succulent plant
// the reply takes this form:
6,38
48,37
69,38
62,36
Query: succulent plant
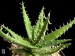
38,43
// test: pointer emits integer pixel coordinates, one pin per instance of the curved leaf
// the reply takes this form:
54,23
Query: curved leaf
22,43
50,50
55,34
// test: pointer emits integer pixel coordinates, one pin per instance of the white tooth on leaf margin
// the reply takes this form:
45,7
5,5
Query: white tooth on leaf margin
51,30
55,28
45,17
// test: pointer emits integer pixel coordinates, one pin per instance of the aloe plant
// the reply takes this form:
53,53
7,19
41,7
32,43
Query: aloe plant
38,43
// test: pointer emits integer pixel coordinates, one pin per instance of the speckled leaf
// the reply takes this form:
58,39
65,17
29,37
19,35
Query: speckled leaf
55,42
55,34
23,43
13,34
50,50
27,22
21,51
39,23
43,30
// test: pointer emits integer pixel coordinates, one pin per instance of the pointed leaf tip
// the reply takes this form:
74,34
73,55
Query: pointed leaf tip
27,22
55,34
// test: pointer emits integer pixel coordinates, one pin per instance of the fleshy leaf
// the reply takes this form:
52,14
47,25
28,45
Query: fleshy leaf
55,42
21,51
43,30
55,34
13,34
50,50
27,22
22,43
39,23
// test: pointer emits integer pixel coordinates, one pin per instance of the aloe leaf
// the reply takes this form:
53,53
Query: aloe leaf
55,34
27,22
39,24
43,30
56,42
21,51
41,17
50,50
22,43
16,36
13,34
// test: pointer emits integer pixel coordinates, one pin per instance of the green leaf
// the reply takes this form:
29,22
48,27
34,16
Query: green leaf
21,51
55,42
13,34
39,24
27,22
43,30
50,50
22,43
55,34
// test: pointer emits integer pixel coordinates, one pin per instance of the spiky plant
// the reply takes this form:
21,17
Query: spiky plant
38,42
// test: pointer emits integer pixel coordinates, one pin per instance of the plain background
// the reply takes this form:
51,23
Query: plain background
61,12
